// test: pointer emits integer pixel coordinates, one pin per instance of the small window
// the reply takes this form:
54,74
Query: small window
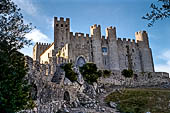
56,25
133,50
61,25
65,25
104,50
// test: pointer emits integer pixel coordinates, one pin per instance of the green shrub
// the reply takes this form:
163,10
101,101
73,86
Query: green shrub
106,73
90,72
69,73
127,73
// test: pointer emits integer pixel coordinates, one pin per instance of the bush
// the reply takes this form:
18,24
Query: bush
69,73
106,73
127,73
90,72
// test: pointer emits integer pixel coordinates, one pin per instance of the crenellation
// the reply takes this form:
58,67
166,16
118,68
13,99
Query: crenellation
61,19
124,39
68,20
71,33
133,40
87,36
103,38
119,39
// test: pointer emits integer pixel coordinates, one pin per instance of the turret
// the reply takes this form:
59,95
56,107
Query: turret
113,49
96,45
95,30
145,51
61,32
111,33
142,36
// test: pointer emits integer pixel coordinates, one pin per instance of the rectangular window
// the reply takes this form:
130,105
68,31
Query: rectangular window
104,50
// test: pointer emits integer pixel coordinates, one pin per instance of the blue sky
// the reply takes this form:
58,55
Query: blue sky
125,15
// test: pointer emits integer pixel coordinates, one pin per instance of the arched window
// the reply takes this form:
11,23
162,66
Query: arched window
80,62
66,96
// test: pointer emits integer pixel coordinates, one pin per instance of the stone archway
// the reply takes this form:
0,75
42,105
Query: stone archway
80,61
66,96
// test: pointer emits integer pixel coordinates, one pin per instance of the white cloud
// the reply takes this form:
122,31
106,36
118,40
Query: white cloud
36,36
164,67
50,22
26,6
27,50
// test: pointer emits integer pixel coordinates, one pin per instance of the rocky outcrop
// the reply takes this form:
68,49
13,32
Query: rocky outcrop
54,93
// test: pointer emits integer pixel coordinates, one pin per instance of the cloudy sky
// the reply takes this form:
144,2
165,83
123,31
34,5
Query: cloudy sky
125,15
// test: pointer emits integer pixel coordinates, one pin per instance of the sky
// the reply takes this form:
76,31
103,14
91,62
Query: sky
125,15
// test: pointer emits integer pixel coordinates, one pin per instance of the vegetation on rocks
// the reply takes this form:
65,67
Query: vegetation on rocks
106,73
127,73
90,72
141,100
69,73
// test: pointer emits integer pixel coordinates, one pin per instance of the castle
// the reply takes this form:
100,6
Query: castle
54,92
107,52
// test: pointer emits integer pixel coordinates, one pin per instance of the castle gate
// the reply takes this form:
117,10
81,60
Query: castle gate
80,61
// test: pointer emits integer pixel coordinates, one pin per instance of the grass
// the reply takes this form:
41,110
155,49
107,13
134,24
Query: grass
141,100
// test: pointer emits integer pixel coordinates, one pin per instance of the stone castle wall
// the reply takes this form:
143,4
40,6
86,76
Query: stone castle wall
107,52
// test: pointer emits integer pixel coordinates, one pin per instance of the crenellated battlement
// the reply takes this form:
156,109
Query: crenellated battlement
104,38
126,40
111,27
61,19
42,44
79,35
95,26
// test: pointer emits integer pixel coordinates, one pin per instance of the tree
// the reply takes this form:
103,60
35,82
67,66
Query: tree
90,72
106,73
14,89
69,73
158,12
127,73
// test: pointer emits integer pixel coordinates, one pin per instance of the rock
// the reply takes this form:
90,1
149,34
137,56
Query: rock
81,88
75,104
67,81
80,79
95,85
113,104
66,110
103,109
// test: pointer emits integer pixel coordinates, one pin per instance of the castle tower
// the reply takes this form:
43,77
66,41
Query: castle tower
112,48
145,51
61,32
38,49
143,37
96,45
